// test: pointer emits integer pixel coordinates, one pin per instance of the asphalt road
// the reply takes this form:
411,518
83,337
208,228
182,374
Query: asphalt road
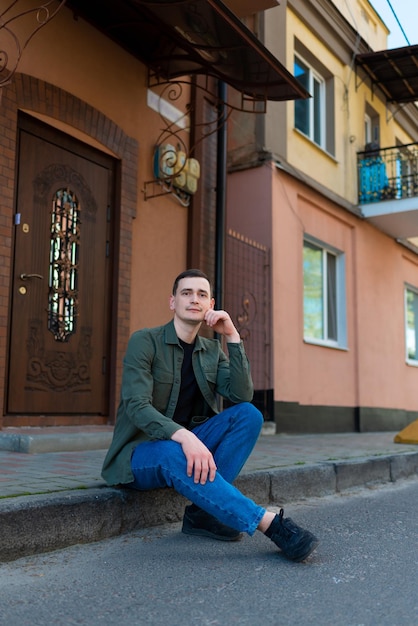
364,573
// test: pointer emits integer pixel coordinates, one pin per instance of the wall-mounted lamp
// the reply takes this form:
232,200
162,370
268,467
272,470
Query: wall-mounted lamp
171,165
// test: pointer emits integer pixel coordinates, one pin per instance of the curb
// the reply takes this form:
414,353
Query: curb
36,524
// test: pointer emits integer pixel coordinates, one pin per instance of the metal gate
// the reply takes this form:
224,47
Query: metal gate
246,298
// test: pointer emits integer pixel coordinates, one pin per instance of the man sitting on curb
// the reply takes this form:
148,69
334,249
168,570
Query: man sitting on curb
170,433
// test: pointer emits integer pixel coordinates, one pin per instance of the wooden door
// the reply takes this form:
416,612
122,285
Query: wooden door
60,314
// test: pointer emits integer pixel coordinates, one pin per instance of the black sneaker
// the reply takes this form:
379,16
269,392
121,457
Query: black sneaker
295,542
199,523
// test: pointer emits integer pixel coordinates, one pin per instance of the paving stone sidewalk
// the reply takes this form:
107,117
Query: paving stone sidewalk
29,474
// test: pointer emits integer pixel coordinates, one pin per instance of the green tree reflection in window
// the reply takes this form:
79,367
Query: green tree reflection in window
319,293
63,268
313,291
411,324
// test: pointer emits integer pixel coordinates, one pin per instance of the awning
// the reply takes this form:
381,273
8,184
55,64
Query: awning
394,71
185,37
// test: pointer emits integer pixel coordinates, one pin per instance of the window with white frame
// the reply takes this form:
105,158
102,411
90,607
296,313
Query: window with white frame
310,114
411,324
371,126
324,294
368,135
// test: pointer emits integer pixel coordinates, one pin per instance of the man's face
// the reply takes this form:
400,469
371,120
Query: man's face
192,300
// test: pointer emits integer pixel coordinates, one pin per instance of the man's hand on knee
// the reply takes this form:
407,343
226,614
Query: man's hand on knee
200,462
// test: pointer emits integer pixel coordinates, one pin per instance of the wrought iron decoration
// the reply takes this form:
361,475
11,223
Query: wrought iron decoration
17,27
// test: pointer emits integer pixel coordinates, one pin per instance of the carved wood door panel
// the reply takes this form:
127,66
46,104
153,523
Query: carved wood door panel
60,322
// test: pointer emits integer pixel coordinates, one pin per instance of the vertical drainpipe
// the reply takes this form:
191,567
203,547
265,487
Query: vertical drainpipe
221,151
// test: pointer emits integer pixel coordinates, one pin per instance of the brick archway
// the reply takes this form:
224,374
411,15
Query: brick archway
36,96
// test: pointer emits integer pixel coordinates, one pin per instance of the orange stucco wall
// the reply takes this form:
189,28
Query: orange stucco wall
78,81
68,53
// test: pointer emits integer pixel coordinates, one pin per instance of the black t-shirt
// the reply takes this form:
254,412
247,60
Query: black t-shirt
189,390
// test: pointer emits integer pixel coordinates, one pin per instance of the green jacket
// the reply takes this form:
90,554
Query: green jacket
151,385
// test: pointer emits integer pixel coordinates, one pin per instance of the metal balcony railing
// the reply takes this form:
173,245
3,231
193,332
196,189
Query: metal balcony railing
387,173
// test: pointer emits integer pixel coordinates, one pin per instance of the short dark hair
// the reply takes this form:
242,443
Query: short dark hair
193,273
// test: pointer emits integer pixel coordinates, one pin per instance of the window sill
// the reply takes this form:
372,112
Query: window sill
411,363
312,143
326,344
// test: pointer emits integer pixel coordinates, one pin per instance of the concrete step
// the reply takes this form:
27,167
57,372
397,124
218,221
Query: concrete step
55,439
67,438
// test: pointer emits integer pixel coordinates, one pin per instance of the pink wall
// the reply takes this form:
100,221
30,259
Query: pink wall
384,377
372,371
270,206
249,203
305,373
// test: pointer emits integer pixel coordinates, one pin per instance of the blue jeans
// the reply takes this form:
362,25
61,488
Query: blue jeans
230,436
